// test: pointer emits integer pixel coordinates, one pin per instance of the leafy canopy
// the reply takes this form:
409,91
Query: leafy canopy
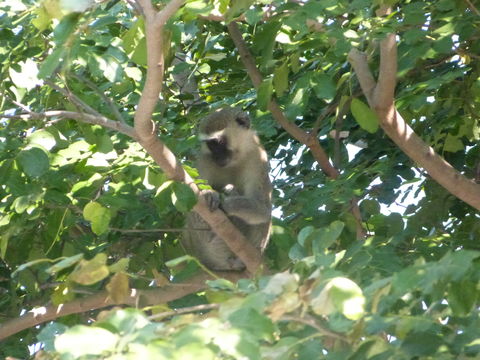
84,209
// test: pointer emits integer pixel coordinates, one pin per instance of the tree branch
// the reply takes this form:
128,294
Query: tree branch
83,117
185,310
380,98
277,113
162,155
106,99
74,98
312,323
138,298
309,139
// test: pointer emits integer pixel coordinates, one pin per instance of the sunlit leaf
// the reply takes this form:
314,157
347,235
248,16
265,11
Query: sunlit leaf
98,215
64,263
117,287
183,197
366,117
91,271
84,340
264,93
280,79
51,63
28,76
340,294
43,139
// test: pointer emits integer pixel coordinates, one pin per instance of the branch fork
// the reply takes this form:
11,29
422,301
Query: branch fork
380,97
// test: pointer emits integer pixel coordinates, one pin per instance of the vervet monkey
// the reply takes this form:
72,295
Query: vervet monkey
235,165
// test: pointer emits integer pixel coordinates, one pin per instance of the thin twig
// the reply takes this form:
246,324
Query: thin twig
472,7
157,230
74,99
100,93
87,118
20,105
184,310
312,323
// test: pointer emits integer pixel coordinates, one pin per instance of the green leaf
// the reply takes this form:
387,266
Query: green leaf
446,30
462,296
42,139
295,62
117,287
76,5
27,77
177,261
324,86
62,294
34,161
304,234
98,215
264,93
453,144
65,28
280,79
237,8
326,236
92,271
30,263
26,202
264,41
257,324
194,8
281,283
365,117
63,264
221,284
183,197
48,334
370,207
83,340
163,196
42,19
421,344
339,294
3,245
51,63
120,266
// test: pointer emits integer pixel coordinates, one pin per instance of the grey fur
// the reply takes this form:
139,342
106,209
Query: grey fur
242,187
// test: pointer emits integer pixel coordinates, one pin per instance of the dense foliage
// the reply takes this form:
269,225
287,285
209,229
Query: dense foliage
83,208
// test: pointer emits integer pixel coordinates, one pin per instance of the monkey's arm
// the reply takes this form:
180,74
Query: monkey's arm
252,211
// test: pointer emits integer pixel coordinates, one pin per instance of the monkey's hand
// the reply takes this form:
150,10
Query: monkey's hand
212,198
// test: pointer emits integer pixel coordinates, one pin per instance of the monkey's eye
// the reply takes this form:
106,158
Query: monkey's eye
243,120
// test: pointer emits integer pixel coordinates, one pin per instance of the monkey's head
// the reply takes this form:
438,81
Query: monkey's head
226,136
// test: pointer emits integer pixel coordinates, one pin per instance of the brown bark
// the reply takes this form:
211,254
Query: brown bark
139,298
147,136
380,97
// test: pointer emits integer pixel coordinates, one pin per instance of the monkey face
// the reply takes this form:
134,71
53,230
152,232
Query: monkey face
219,151
226,137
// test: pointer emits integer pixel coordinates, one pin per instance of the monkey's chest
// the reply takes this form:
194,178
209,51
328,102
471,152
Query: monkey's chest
227,180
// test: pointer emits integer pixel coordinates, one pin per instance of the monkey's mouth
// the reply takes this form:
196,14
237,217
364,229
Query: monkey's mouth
221,161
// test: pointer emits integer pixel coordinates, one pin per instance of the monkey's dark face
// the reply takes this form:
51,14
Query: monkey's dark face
219,151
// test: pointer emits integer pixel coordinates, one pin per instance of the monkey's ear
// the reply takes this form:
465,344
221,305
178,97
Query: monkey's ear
243,120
